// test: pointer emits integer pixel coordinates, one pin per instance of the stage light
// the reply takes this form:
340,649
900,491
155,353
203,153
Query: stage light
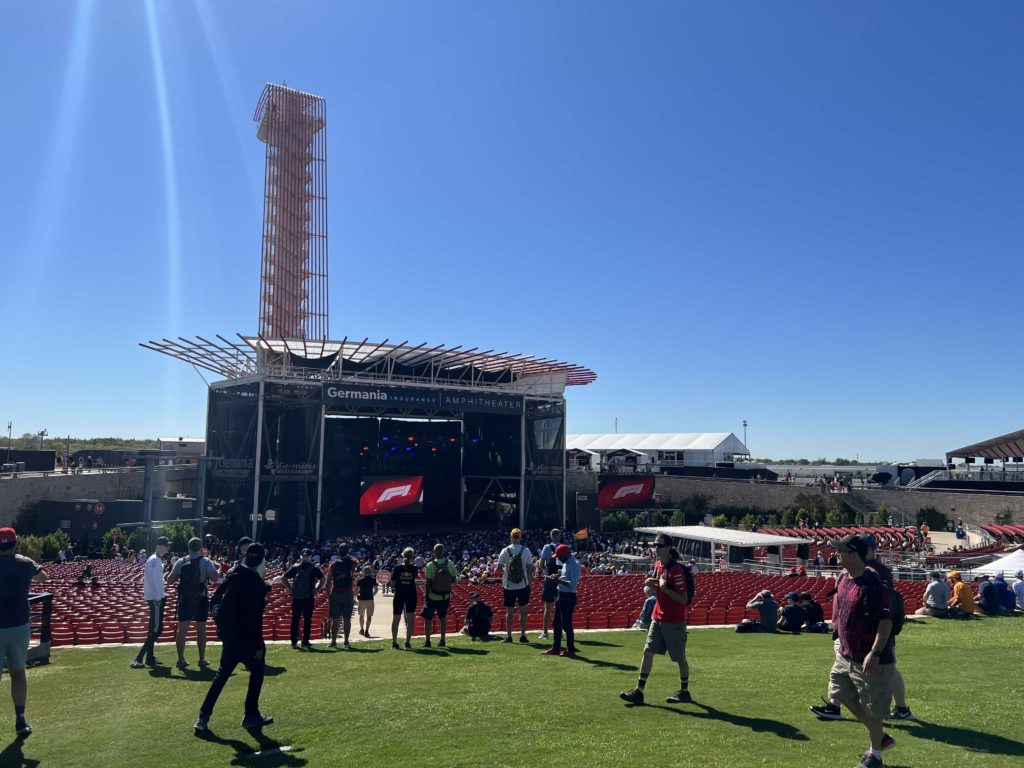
474,440
393,448
411,438
433,450
385,437
452,440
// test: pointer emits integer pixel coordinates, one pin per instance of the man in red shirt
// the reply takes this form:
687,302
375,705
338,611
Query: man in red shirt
668,622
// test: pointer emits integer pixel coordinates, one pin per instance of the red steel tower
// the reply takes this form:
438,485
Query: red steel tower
293,282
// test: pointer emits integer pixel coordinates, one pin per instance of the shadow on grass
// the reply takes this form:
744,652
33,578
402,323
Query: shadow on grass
359,649
202,675
975,741
261,754
598,643
468,651
14,757
606,664
431,651
756,724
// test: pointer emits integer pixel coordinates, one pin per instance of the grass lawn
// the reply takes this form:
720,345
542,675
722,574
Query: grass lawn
491,704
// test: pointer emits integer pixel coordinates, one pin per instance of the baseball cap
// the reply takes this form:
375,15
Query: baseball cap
870,540
852,543
562,550
474,595
163,541
306,552
244,540
8,536
792,596
1019,574
954,574
516,534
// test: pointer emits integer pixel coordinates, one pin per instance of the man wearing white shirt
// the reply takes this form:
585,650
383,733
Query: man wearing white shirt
514,565
1018,590
155,596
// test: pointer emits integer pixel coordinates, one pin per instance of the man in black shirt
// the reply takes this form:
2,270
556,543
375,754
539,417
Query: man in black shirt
302,580
403,582
478,618
815,614
792,615
339,582
239,617
16,576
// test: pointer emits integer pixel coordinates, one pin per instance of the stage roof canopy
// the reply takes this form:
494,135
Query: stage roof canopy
725,536
380,360
1005,447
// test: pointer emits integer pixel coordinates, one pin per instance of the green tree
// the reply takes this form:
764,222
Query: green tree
789,517
54,542
748,522
180,533
30,546
720,521
935,520
114,534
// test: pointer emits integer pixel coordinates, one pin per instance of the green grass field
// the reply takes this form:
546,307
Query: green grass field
506,705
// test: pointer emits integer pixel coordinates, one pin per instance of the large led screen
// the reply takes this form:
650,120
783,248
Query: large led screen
391,495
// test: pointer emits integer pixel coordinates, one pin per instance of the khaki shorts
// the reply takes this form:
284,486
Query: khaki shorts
662,637
847,682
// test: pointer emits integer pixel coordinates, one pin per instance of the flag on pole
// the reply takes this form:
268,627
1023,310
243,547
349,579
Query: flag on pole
582,534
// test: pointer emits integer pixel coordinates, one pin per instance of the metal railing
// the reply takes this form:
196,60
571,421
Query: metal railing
40,612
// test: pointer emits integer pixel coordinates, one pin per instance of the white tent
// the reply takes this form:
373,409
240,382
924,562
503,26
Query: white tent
1009,565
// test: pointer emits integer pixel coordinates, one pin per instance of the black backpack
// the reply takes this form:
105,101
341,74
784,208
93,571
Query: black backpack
691,587
192,585
442,581
898,609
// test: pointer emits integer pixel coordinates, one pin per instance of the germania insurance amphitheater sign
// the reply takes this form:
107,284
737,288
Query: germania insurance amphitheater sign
341,395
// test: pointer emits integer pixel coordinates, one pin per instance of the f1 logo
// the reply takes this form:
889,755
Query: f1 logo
396,491
628,490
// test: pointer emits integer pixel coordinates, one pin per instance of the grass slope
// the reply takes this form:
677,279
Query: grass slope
506,705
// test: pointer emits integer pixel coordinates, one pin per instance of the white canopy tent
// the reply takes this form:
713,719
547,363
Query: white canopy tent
1009,565
724,536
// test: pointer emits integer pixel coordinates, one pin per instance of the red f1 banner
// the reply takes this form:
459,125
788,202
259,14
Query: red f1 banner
623,493
391,496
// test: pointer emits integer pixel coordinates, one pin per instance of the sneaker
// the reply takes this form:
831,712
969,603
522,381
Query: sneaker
867,760
544,636
295,646
137,665
408,645
568,653
332,644
888,742
426,643
308,647
257,722
901,713
508,639
827,711
201,727
441,643
347,646
679,697
153,662
22,727
636,696
395,645
181,664
552,651
523,638
203,663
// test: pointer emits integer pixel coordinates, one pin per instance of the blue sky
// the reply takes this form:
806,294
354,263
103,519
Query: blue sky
804,214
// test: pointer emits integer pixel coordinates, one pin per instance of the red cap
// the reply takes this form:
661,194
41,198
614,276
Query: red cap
8,536
562,550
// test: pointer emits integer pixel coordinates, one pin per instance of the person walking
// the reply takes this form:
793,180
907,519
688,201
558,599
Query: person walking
17,573
672,584
440,575
548,567
403,580
155,595
367,587
239,617
514,564
195,573
302,580
568,580
339,581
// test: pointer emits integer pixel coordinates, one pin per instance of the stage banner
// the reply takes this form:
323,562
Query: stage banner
343,395
391,496
623,493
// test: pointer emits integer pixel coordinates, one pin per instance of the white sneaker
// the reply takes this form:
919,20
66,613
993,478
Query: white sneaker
544,636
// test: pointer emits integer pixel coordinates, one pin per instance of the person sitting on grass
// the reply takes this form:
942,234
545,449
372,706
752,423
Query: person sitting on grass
936,598
792,615
815,621
479,616
768,609
961,604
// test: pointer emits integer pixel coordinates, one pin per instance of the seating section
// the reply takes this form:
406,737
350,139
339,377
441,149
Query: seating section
1007,534
113,611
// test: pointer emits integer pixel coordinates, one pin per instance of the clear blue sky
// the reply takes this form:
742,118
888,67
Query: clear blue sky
808,215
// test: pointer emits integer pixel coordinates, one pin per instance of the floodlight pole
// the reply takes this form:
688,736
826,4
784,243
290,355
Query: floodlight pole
9,442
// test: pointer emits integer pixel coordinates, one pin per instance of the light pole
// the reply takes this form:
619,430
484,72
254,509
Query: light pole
745,436
42,433
8,442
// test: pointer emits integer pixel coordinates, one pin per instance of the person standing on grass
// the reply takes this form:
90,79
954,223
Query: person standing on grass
862,675
403,602
667,632
514,566
239,617
302,580
548,567
367,587
440,575
340,578
568,580
194,573
155,595
17,573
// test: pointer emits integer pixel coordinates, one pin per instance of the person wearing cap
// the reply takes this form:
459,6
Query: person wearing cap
936,598
195,573
440,575
1007,600
240,625
302,580
479,616
155,595
961,604
339,582
668,622
1018,590
548,566
515,582
567,579
861,677
792,615
988,600
17,573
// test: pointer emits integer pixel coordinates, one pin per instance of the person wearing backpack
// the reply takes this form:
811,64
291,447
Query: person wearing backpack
193,575
549,566
341,600
440,576
673,588
514,564
302,580
238,610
